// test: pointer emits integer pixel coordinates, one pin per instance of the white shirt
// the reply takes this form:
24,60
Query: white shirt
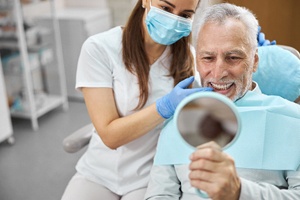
100,65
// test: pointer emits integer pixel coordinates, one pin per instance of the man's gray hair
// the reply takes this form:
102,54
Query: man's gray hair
220,13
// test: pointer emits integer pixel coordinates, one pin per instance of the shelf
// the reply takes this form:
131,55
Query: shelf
50,102
37,59
12,43
32,56
6,6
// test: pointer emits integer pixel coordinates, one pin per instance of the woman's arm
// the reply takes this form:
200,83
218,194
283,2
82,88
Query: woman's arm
114,130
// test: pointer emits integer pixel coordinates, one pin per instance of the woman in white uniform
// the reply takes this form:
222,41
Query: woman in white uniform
127,76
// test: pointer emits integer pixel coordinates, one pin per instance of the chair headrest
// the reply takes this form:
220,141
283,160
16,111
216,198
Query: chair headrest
278,72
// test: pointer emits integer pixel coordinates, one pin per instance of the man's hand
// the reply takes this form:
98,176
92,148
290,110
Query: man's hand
214,172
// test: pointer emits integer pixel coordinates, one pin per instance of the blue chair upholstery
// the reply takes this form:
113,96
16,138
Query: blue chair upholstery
278,72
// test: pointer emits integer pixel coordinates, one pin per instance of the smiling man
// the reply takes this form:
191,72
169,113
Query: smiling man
227,57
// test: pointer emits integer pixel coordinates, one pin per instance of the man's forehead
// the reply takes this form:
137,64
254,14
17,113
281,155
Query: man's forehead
219,39
222,29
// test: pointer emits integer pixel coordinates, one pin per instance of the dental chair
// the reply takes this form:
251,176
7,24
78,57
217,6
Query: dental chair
278,74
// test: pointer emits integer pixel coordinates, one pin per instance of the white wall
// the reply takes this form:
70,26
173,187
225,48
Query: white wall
86,3
120,9
36,9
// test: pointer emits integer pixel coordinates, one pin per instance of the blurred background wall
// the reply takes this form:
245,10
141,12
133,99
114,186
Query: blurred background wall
279,19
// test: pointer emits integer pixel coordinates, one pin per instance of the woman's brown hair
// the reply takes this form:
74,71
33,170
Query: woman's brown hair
137,62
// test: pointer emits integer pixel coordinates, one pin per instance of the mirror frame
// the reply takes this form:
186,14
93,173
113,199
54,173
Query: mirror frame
222,98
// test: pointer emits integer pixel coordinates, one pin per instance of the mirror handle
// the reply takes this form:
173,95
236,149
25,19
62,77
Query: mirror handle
202,194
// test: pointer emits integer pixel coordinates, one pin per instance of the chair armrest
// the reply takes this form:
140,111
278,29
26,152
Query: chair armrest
78,139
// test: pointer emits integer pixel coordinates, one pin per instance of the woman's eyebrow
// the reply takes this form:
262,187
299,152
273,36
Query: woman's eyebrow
173,6
170,4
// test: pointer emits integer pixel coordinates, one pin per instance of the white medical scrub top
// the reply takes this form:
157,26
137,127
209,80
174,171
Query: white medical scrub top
100,65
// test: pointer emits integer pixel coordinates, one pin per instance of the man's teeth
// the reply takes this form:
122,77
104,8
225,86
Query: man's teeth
221,87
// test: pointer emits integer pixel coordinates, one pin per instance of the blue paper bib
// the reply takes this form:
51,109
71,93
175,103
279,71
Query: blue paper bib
269,137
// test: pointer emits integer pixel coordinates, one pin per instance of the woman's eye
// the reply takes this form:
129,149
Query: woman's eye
187,16
165,8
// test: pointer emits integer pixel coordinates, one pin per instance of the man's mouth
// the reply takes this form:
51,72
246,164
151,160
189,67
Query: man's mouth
219,87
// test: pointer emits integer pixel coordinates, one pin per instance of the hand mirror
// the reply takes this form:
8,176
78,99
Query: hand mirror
207,116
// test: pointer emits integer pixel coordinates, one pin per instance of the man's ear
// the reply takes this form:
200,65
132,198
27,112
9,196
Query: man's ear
256,60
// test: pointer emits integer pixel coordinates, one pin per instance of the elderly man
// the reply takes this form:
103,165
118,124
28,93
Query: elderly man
226,59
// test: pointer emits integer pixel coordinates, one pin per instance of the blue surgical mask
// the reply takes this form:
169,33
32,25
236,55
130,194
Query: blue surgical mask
166,28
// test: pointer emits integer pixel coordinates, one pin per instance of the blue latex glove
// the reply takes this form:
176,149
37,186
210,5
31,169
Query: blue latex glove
261,41
167,104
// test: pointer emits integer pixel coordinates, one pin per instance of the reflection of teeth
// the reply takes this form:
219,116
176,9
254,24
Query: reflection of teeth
221,87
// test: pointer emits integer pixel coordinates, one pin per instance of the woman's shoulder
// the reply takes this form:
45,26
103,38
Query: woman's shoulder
111,33
109,38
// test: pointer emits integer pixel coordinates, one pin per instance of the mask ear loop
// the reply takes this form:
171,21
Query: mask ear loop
143,6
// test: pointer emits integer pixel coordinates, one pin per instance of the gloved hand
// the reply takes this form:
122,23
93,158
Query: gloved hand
261,41
167,104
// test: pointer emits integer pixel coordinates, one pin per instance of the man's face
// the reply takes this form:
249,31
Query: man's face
225,60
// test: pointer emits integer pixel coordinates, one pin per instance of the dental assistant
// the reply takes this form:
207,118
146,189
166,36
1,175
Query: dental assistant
132,78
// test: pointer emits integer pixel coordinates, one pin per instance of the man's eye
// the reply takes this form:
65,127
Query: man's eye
233,58
207,58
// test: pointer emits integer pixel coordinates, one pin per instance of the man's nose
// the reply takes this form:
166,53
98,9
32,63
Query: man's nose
220,70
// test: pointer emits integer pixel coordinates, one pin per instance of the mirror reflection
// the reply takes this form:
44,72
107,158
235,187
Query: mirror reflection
206,119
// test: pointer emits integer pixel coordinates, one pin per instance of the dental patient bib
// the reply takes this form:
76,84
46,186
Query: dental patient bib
269,137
